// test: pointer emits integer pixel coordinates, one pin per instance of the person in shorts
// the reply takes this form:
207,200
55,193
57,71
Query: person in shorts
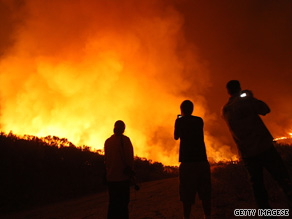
194,170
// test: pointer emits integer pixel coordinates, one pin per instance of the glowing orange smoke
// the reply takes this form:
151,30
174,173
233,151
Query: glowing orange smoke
78,66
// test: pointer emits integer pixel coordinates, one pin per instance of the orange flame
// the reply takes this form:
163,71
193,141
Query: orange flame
284,138
75,68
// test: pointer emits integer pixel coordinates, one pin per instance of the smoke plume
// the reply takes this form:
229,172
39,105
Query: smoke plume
72,68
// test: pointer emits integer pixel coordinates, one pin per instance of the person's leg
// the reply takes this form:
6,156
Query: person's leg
276,167
113,207
255,170
187,206
119,197
187,187
125,199
207,207
205,188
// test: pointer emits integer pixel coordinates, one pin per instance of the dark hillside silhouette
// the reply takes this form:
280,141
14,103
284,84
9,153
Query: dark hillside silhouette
36,171
160,198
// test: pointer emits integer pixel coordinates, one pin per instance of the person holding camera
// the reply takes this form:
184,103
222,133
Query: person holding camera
194,170
254,142
119,160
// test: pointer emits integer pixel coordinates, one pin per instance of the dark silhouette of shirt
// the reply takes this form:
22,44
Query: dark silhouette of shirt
247,128
190,131
118,157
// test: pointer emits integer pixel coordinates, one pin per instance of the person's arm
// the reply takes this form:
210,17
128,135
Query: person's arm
105,153
222,113
129,152
176,130
260,107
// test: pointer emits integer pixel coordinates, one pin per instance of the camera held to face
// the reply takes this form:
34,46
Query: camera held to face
246,93
243,94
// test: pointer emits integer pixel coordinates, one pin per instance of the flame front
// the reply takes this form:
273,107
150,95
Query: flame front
78,66
284,137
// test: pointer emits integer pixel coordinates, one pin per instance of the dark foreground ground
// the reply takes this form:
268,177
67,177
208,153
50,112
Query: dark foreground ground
38,171
159,199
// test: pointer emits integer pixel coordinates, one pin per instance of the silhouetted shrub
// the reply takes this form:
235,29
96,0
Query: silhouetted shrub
36,171
41,170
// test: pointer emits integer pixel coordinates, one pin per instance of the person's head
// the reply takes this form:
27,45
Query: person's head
233,87
119,127
186,108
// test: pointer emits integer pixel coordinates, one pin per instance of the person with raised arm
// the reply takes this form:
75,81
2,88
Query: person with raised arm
194,170
254,142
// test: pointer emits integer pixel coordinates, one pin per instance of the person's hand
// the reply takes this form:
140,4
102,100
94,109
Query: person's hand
247,92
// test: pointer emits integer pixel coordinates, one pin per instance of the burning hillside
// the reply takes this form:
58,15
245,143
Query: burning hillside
72,68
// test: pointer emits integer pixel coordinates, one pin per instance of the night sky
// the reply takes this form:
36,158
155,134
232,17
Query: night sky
249,41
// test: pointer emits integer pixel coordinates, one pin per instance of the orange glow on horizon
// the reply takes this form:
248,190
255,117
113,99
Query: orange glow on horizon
76,68
284,138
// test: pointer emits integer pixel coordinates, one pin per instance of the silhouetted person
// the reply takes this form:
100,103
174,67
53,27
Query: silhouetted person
194,170
118,160
254,142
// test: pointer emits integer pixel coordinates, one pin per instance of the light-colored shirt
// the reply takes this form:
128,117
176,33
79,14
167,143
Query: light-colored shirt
118,157
247,128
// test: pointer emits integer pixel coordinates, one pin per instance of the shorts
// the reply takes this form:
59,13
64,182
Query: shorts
194,177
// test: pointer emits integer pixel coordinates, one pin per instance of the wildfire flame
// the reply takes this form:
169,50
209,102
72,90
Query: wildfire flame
283,138
78,66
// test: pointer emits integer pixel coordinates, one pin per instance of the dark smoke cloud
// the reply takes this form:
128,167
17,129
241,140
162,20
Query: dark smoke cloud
10,19
249,41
